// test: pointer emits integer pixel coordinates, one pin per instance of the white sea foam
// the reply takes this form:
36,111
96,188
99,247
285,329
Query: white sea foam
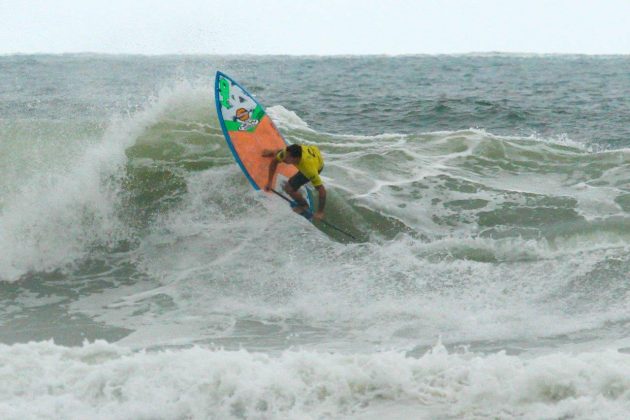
287,119
54,219
57,216
100,380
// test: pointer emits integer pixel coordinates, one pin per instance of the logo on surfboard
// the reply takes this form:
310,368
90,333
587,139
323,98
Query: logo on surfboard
240,112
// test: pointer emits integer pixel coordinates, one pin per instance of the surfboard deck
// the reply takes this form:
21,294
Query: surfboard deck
248,131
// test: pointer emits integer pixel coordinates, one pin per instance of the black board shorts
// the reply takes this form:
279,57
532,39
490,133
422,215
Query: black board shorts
299,179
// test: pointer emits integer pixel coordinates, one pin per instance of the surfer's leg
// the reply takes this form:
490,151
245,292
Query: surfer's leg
292,188
297,196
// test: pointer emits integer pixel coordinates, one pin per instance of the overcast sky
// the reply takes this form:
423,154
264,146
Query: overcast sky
315,26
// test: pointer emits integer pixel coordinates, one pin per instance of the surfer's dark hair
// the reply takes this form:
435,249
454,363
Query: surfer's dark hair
295,150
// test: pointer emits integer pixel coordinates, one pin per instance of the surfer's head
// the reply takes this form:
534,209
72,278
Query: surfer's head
294,154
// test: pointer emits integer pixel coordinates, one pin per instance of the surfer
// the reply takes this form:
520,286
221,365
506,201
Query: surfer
310,163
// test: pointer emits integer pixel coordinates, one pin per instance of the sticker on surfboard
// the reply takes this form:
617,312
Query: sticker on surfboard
248,130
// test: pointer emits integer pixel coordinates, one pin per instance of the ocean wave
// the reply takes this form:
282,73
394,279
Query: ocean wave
435,186
124,217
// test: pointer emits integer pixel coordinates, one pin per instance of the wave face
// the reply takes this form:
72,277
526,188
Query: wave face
491,207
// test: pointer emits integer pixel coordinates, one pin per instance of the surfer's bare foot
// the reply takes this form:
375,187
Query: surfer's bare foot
300,209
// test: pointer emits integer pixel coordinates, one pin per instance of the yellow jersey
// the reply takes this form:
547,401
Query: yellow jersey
310,165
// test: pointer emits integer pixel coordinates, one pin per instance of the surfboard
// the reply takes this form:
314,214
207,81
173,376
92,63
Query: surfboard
248,130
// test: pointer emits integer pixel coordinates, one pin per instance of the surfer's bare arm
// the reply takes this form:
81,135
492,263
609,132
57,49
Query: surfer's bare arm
321,192
270,152
272,171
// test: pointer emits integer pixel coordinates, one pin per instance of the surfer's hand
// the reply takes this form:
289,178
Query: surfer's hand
268,187
319,215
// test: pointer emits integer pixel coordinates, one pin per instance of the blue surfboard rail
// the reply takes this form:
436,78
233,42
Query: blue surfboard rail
217,102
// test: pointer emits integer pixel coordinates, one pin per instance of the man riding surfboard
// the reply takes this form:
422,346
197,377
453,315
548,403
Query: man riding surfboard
309,162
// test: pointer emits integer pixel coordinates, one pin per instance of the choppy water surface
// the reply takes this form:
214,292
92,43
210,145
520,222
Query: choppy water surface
141,277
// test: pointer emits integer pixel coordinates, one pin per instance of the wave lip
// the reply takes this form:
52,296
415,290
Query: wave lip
65,210
56,219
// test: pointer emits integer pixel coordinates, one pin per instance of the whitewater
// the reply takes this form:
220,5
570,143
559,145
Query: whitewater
142,277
